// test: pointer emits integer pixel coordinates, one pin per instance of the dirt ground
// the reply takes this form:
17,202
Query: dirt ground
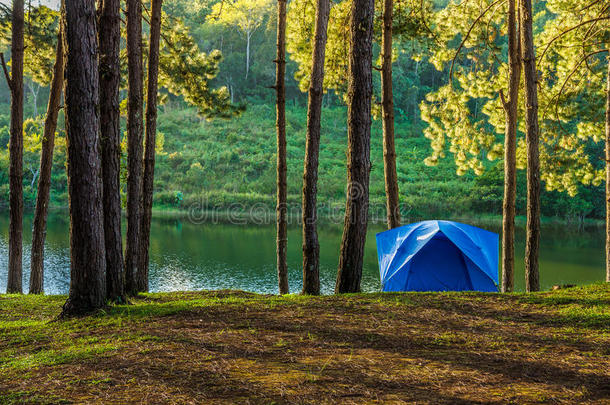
236,347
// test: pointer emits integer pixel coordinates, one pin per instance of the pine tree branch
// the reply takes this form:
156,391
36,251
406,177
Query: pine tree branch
584,58
6,73
561,34
588,6
467,36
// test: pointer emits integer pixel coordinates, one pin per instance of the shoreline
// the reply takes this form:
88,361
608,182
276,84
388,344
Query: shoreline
238,217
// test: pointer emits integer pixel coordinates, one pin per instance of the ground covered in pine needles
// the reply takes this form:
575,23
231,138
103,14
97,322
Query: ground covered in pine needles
236,347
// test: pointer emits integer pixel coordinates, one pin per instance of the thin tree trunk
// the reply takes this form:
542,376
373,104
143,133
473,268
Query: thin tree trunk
248,36
110,139
280,91
39,230
134,143
15,235
532,281
34,97
88,260
387,106
360,90
510,147
311,246
151,132
608,173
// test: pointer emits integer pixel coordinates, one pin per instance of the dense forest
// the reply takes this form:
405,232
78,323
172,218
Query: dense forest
447,109
208,162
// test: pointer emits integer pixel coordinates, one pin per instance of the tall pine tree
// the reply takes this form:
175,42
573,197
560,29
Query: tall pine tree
151,136
15,233
359,94
109,75
87,251
311,246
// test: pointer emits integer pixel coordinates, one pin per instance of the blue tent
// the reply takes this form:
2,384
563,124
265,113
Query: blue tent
438,256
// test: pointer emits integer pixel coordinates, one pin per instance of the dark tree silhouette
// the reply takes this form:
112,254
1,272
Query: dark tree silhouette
532,241
151,132
510,154
311,246
608,173
134,144
110,139
87,253
280,91
387,106
359,93
15,81
39,230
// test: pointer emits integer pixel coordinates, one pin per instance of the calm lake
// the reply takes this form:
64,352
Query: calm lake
188,256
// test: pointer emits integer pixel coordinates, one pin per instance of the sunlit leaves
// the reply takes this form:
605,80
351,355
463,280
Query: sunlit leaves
40,39
246,15
410,21
467,117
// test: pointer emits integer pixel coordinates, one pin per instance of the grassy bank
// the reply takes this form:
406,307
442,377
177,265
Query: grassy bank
294,217
267,217
228,347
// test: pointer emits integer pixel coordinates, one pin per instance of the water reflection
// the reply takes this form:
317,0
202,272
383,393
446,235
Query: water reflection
186,256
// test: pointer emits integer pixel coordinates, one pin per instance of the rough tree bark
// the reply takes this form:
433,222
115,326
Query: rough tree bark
134,143
532,281
510,154
151,132
87,253
387,106
608,173
109,36
15,233
311,246
360,90
39,230
282,206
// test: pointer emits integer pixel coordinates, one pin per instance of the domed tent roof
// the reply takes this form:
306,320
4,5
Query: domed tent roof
438,256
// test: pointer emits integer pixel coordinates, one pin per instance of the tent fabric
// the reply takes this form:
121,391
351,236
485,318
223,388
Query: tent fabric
438,256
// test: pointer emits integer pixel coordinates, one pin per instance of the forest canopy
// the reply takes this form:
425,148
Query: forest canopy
213,56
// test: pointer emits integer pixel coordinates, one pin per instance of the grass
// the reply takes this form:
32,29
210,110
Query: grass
237,347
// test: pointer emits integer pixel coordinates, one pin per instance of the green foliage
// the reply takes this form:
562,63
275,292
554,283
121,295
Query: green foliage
466,117
32,140
210,164
410,22
40,40
246,15
186,71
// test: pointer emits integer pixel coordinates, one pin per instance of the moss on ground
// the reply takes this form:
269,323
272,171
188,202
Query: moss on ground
231,346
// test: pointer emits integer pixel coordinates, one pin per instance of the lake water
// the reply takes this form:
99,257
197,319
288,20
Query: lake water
188,256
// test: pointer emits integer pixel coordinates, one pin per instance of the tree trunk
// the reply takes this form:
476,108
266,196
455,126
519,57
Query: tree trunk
87,252
151,132
34,97
134,143
248,37
387,106
608,173
532,282
282,206
15,235
110,138
311,246
39,230
510,154
359,93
